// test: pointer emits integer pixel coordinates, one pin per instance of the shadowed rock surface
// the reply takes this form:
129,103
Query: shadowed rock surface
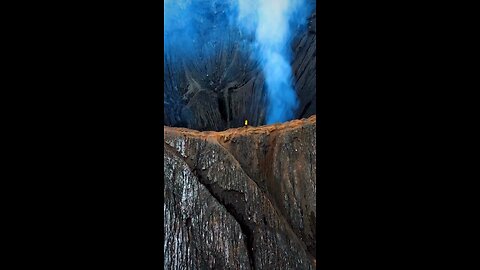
242,198
221,91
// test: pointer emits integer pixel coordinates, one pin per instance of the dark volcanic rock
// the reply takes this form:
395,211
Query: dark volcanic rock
241,199
305,67
221,91
199,232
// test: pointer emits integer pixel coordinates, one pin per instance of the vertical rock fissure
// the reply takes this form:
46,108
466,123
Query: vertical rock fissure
247,173
216,193
247,231
270,148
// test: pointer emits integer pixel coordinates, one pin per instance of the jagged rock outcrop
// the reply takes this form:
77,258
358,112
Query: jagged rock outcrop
219,90
242,198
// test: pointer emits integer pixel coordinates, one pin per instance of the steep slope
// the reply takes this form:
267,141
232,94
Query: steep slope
219,90
242,198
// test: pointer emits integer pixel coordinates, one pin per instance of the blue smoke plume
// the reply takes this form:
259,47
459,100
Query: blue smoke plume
274,22
268,25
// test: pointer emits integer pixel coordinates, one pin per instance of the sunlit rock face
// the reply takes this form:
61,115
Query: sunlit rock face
214,81
243,198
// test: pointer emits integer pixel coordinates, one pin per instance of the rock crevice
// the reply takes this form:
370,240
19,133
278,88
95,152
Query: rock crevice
271,207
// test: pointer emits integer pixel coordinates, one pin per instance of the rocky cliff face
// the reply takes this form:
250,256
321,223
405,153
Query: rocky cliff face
242,198
220,90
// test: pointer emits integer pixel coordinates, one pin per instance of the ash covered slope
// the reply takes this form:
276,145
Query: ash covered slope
222,86
241,199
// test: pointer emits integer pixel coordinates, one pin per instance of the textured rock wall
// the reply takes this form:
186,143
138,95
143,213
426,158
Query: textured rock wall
221,91
241,199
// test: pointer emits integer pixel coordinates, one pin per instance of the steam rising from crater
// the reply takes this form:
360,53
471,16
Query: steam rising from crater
190,25
273,22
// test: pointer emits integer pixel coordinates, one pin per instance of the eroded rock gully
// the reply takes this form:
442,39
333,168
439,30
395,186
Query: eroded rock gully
242,198
221,91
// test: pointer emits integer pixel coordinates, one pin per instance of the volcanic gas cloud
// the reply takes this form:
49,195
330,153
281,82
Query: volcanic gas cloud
266,25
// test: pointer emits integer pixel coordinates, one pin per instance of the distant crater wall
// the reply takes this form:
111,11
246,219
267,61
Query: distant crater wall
221,91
